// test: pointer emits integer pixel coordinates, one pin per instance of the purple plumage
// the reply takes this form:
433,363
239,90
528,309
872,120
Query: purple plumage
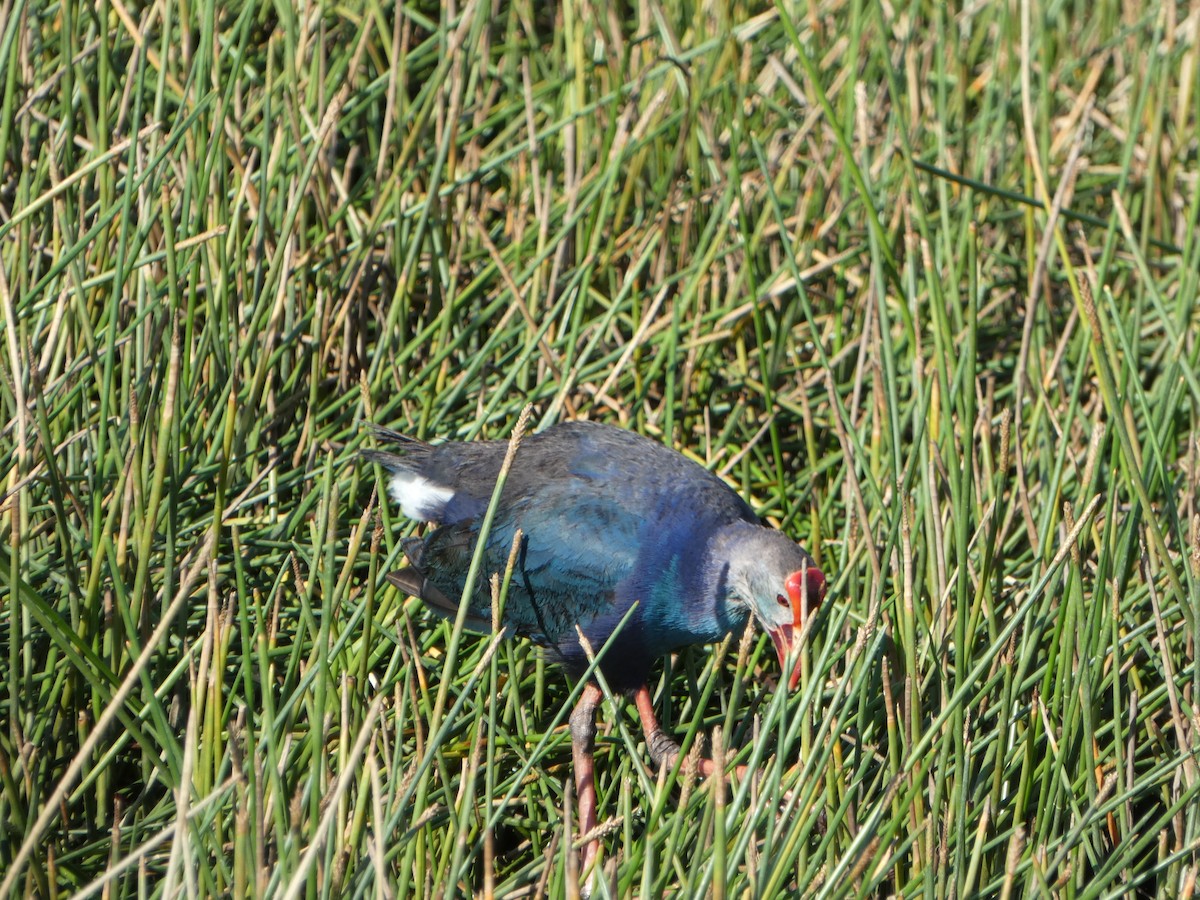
610,521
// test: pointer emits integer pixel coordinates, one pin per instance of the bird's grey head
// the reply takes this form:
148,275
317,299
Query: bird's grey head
779,582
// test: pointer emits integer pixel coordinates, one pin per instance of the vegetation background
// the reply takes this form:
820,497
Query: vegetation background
919,278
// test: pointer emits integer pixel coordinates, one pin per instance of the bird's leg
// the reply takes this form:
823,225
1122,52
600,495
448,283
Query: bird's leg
583,742
663,749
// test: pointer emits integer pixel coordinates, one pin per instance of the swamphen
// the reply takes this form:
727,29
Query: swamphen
610,521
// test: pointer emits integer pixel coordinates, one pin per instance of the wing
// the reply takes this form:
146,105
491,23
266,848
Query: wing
575,553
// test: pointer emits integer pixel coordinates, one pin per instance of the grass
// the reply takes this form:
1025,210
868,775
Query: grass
921,283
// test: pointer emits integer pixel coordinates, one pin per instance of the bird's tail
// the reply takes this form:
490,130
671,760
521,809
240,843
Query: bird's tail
414,582
406,457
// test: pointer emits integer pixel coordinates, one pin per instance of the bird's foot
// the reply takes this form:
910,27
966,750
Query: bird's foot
663,749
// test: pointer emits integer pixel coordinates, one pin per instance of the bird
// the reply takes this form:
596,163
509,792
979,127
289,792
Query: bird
622,543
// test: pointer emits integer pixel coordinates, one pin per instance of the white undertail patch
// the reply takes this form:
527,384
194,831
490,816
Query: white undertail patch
419,498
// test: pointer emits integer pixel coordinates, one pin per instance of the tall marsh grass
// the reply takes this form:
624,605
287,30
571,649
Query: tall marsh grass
921,282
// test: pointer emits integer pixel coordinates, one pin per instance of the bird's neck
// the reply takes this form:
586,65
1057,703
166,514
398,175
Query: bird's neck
686,592
721,581
727,547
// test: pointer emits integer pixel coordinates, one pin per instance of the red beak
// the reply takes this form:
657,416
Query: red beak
805,590
784,638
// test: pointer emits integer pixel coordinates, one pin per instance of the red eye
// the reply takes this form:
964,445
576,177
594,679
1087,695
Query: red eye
779,598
